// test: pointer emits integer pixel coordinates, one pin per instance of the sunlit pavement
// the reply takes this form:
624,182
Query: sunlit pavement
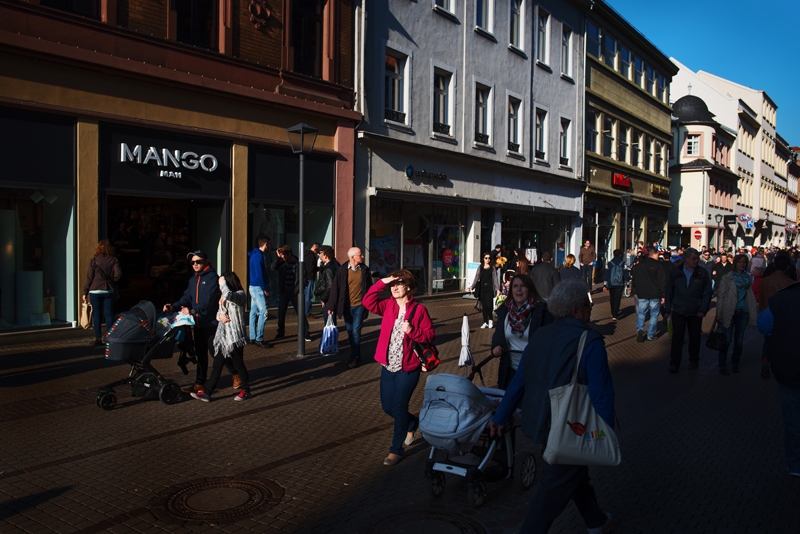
701,452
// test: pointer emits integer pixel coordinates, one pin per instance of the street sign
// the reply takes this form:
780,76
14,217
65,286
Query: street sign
698,234
750,224
730,219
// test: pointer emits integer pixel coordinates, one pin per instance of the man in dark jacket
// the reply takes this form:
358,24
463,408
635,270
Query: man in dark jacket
545,276
547,363
779,321
201,301
326,275
649,280
259,290
349,286
687,300
614,280
310,263
288,286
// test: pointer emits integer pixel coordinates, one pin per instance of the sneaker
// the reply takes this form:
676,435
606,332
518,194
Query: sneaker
263,345
605,528
640,336
243,395
614,318
411,437
485,325
307,338
237,380
201,396
278,336
491,324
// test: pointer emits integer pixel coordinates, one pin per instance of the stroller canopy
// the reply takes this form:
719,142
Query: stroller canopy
454,412
136,325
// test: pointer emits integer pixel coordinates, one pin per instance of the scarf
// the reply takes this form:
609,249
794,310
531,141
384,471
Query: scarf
519,317
231,334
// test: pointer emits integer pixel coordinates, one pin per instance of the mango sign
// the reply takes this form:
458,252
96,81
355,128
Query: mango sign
447,257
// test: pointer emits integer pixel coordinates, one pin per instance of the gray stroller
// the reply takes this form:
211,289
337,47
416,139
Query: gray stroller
455,419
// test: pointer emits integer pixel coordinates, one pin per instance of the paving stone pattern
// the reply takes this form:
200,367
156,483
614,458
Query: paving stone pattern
701,452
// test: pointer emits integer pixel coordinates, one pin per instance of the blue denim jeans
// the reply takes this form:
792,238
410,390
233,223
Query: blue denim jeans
654,305
102,307
790,403
309,294
396,391
258,313
353,316
734,332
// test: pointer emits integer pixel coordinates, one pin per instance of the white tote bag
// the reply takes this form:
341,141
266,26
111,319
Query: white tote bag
329,344
578,435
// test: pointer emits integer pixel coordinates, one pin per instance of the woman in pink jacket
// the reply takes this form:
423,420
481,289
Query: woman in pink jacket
401,368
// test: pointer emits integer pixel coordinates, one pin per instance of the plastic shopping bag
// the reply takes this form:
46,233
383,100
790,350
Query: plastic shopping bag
329,344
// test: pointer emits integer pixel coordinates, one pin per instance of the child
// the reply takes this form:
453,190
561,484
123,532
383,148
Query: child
230,338
507,282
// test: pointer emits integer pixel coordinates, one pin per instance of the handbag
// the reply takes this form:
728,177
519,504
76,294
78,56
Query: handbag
578,435
329,344
109,282
716,338
427,353
479,305
86,316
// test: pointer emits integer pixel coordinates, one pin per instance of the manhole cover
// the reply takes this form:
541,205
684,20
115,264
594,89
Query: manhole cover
216,500
439,521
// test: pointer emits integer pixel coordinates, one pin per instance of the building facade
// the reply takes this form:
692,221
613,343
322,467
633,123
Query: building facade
472,133
627,134
163,128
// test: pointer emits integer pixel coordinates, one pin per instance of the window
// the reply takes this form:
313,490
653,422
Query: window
648,153
516,23
541,131
482,114
441,102
483,11
651,80
591,130
444,4
636,148
610,56
609,127
196,21
625,62
87,8
307,36
663,91
659,157
563,143
394,88
638,72
593,40
541,37
513,125
693,145
566,52
624,141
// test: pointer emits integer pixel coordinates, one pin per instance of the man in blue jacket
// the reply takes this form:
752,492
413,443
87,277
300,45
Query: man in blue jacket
547,363
259,290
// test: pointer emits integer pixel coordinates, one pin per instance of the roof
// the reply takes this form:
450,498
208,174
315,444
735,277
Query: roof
690,108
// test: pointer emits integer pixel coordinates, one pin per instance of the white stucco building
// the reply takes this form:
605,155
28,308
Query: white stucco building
472,132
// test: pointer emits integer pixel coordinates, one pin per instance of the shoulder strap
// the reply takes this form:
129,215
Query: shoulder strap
102,272
581,344
411,313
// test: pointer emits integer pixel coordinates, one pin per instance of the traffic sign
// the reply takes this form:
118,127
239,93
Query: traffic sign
697,234
750,224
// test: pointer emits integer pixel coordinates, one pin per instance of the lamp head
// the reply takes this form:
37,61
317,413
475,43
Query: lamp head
302,138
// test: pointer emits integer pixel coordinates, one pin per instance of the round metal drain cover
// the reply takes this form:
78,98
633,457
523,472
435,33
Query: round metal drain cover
216,500
439,521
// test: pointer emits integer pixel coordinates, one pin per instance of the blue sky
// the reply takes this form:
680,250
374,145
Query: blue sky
753,43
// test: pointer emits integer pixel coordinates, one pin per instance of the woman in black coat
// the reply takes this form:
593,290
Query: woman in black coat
486,288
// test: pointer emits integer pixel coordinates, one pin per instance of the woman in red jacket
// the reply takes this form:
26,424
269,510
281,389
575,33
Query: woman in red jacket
401,368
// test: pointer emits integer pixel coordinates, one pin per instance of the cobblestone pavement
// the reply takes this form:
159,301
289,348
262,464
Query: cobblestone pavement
701,452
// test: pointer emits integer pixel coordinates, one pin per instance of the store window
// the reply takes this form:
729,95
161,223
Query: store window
448,271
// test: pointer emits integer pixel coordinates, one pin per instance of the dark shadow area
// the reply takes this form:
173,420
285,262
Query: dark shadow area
12,507
83,364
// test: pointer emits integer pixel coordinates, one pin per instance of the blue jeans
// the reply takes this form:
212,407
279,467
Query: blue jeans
790,403
258,313
102,306
353,316
735,332
654,305
309,294
396,391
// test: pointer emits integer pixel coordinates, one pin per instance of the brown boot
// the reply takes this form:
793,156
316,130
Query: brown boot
237,381
98,342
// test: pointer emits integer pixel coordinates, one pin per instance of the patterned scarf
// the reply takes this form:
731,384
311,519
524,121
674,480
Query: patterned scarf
231,334
519,317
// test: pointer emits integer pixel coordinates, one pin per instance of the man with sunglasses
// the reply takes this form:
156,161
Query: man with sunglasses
201,301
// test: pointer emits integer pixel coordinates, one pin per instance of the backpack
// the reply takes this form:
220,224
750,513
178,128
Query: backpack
617,279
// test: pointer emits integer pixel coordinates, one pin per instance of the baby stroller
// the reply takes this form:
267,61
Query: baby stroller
455,421
137,337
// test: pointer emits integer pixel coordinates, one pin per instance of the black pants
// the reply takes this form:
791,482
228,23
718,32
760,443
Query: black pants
487,301
680,324
284,299
203,346
558,485
586,274
616,297
236,361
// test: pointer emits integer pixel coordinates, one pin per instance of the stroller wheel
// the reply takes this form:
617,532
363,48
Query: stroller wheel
437,483
107,401
525,471
476,494
169,393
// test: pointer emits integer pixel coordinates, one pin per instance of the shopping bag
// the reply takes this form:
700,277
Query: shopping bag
499,300
329,344
716,338
578,435
86,316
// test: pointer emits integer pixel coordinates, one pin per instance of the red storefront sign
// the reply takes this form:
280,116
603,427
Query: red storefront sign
621,180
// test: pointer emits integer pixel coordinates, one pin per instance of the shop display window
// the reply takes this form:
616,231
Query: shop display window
37,282
384,240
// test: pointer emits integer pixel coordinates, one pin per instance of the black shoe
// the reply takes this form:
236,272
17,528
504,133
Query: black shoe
263,345
734,368
278,336
640,336
673,368
182,361
692,365
352,364
724,371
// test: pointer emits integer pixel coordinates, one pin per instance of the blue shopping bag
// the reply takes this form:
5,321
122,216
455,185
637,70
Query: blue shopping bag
329,344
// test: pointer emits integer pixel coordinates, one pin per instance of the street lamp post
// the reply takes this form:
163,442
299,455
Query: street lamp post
302,138
626,199
718,218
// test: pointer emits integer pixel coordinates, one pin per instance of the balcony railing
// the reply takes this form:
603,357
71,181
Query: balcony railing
513,147
442,128
393,115
482,138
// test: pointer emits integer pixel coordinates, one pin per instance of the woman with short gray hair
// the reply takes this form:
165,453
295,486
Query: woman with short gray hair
565,297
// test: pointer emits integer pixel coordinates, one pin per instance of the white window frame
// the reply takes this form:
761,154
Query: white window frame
693,145
623,142
607,39
520,24
609,136
540,139
488,24
399,52
592,132
651,78
566,50
515,131
449,91
636,148
447,5
542,36
625,67
565,142
478,83
639,76
594,47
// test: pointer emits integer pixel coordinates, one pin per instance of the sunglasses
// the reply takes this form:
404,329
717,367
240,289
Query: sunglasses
197,262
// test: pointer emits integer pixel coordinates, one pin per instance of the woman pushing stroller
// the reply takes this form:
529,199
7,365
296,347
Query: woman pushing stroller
230,338
403,320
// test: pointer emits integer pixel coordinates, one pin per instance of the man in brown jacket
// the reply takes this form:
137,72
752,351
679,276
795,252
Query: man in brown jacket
768,287
587,257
